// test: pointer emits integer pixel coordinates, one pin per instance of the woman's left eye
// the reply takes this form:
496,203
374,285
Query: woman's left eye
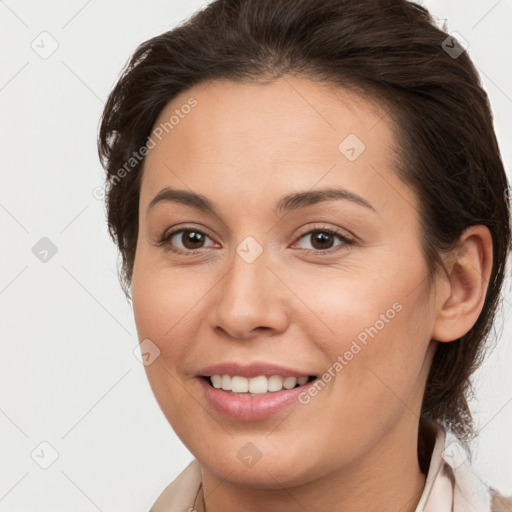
322,239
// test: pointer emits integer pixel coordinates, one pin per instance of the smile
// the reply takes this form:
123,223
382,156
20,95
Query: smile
254,390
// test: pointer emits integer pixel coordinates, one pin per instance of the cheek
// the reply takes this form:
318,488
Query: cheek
375,333
164,302
162,313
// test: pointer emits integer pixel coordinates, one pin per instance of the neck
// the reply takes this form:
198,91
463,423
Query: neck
388,475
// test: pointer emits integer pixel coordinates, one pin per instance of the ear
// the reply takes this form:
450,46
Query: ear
468,277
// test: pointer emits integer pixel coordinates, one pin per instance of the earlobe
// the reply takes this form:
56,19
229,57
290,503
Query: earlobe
468,280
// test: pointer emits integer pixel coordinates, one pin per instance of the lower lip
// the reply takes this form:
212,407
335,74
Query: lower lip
251,407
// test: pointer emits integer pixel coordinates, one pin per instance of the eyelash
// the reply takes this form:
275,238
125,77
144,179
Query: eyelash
164,240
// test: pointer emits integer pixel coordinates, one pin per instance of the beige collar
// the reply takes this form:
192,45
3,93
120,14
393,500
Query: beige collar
451,484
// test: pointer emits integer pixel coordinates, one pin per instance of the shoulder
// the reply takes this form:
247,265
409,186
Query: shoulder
500,503
180,494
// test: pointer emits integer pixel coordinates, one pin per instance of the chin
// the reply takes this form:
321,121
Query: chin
253,461
269,474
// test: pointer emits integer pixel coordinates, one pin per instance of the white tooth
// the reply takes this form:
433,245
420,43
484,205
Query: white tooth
289,382
239,384
226,383
255,385
275,383
216,381
258,384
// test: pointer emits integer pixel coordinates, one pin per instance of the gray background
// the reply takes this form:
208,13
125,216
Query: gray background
68,373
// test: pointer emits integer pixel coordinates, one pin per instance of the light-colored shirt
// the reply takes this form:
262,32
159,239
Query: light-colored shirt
451,484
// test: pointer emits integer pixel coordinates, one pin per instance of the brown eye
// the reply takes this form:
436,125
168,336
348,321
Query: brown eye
184,241
191,239
323,240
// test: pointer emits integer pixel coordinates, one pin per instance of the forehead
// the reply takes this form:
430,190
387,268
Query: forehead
253,139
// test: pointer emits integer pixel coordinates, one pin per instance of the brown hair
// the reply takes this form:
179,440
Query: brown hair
387,50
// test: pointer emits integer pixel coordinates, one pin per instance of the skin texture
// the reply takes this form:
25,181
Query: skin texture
244,146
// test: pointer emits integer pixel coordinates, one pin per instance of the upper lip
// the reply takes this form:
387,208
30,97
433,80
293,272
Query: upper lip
250,370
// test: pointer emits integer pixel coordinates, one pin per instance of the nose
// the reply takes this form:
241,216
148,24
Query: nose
251,300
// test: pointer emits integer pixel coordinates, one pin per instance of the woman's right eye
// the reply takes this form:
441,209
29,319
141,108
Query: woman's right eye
191,239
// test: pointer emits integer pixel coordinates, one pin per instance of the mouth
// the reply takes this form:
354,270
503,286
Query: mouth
255,386
252,399
253,390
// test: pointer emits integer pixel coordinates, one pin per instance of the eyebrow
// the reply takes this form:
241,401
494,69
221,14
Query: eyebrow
293,201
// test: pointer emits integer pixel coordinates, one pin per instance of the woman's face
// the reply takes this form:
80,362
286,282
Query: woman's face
257,280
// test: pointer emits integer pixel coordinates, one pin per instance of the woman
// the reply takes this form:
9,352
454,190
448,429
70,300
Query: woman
304,377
